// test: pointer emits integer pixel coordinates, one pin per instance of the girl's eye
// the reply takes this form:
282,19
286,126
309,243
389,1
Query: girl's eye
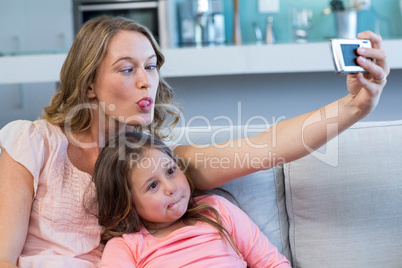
152,186
171,170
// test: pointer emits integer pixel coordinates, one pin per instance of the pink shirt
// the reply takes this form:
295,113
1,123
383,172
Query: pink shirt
61,233
197,246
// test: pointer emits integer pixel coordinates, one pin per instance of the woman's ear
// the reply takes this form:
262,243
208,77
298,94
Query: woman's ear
90,92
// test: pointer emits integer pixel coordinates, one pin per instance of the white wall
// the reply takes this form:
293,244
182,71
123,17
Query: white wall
272,96
24,101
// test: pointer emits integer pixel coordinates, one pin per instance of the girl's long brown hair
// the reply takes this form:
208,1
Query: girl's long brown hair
115,203
78,72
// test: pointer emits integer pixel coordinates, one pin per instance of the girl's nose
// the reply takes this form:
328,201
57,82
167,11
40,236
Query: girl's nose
170,188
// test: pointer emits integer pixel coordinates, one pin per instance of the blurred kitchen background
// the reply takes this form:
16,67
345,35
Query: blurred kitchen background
38,30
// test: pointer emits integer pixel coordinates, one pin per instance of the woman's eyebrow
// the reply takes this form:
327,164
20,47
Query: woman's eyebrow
123,58
132,59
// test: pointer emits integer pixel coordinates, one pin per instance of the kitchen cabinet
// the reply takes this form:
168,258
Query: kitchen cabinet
40,25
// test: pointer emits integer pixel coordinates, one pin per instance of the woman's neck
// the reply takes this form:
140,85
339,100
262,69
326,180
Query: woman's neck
84,147
104,128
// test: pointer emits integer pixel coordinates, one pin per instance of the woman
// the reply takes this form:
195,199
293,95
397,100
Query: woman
110,83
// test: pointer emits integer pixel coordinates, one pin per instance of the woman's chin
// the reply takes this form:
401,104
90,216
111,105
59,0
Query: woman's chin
141,120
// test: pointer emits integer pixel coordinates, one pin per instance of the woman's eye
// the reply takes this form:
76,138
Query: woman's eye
127,70
151,67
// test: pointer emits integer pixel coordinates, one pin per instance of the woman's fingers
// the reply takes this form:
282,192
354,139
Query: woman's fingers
375,39
378,68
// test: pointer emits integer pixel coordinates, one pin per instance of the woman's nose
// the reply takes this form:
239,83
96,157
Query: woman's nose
143,79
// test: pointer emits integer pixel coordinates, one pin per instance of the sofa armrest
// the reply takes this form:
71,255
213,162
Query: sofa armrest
344,202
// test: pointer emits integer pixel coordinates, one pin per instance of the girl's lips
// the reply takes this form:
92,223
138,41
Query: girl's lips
173,204
145,104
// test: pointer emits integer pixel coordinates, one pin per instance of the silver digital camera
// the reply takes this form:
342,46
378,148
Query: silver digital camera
344,54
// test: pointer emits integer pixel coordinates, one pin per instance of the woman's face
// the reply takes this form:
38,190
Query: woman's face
127,79
159,189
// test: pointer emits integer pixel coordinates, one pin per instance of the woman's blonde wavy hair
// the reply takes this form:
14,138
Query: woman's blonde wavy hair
78,72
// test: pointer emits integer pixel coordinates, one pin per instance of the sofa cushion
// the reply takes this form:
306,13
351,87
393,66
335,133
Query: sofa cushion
344,202
260,195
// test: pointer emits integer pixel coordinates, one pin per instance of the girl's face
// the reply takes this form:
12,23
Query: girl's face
159,188
126,81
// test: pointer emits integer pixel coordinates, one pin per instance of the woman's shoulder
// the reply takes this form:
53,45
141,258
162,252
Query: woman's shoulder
24,139
26,127
31,144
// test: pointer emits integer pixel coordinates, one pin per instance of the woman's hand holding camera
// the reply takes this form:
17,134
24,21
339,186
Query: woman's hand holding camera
366,88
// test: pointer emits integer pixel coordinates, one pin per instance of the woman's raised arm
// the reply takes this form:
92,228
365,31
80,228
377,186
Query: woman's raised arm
294,138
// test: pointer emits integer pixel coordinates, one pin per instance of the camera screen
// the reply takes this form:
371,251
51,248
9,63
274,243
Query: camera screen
349,54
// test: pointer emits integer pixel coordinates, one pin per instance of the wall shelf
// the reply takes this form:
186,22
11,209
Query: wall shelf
207,61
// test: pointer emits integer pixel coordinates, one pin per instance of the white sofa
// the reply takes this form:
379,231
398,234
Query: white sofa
338,207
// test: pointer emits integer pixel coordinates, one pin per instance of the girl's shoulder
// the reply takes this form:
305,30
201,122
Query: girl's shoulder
216,201
129,241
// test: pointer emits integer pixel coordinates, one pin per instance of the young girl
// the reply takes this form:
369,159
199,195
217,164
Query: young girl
153,216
